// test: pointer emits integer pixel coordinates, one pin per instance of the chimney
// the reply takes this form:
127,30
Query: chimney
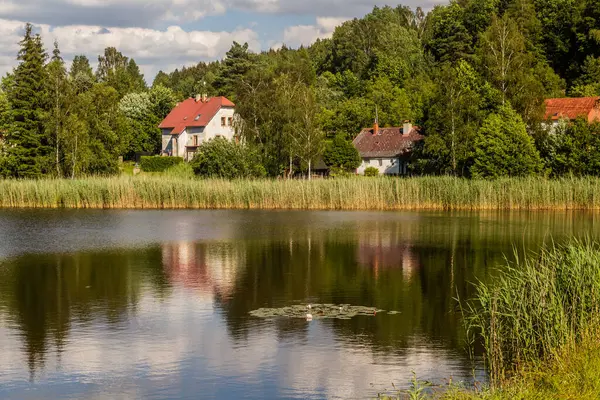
204,97
198,98
406,128
376,124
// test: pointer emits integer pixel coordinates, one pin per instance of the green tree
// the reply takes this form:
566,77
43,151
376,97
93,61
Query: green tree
163,100
446,36
503,147
81,74
120,72
306,135
461,102
237,63
135,76
143,123
341,155
220,158
107,132
572,149
28,147
61,94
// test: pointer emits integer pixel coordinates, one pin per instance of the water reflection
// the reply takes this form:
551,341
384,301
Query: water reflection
168,319
209,268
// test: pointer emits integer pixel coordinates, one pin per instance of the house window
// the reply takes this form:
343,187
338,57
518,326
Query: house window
223,121
195,140
230,121
380,162
367,161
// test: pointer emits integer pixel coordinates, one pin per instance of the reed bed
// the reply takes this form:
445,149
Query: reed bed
539,306
428,193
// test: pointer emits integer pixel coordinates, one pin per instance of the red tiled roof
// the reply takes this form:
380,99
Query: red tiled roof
389,142
192,113
570,108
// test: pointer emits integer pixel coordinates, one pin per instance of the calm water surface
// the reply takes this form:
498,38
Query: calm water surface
154,304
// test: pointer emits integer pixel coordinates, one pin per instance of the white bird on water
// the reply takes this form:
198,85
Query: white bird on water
309,306
309,317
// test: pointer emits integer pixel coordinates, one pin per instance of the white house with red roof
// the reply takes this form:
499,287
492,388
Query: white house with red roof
387,149
195,121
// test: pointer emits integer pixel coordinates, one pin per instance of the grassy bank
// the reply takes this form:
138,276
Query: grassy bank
539,323
169,191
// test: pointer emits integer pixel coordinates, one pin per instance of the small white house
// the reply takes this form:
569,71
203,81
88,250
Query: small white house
387,149
195,121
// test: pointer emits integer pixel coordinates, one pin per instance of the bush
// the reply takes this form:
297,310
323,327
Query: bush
224,159
371,171
504,148
341,154
158,163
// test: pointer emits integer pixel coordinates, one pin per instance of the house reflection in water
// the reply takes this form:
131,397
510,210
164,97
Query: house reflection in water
381,251
209,268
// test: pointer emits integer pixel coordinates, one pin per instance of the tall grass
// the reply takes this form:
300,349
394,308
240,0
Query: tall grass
174,190
537,306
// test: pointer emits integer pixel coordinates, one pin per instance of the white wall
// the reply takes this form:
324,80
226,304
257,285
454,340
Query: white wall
389,166
214,127
212,130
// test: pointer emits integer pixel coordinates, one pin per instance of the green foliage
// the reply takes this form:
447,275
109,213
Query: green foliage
572,149
460,104
341,154
224,159
237,63
119,72
27,143
371,171
503,147
538,305
158,163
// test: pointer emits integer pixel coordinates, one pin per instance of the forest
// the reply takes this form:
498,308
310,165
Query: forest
472,74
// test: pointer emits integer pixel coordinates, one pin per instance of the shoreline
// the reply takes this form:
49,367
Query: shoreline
162,192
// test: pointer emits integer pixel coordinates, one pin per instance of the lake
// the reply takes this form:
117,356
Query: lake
155,304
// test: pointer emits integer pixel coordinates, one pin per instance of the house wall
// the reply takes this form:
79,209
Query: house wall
214,127
386,166
594,115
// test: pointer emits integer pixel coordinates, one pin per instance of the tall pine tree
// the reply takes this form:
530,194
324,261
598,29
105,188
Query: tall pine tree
28,147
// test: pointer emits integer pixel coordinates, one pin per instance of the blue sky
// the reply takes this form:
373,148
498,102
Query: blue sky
166,34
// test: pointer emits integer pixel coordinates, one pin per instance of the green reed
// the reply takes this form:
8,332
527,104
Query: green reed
175,190
538,305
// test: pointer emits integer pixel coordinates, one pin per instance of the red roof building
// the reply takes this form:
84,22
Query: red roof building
572,108
195,121
387,149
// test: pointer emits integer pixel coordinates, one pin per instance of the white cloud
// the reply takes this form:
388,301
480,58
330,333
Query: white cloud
295,36
152,49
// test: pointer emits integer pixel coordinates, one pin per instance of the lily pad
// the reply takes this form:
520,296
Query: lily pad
317,311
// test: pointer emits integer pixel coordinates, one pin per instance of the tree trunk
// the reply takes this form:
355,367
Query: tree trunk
309,169
74,158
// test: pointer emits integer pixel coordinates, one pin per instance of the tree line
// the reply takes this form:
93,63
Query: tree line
472,74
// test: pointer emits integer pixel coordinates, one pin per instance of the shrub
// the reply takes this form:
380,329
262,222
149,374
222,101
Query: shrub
341,154
158,163
371,171
224,159
504,148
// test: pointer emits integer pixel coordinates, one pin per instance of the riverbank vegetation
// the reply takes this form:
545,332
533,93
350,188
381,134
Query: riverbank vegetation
480,112
539,324
183,190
